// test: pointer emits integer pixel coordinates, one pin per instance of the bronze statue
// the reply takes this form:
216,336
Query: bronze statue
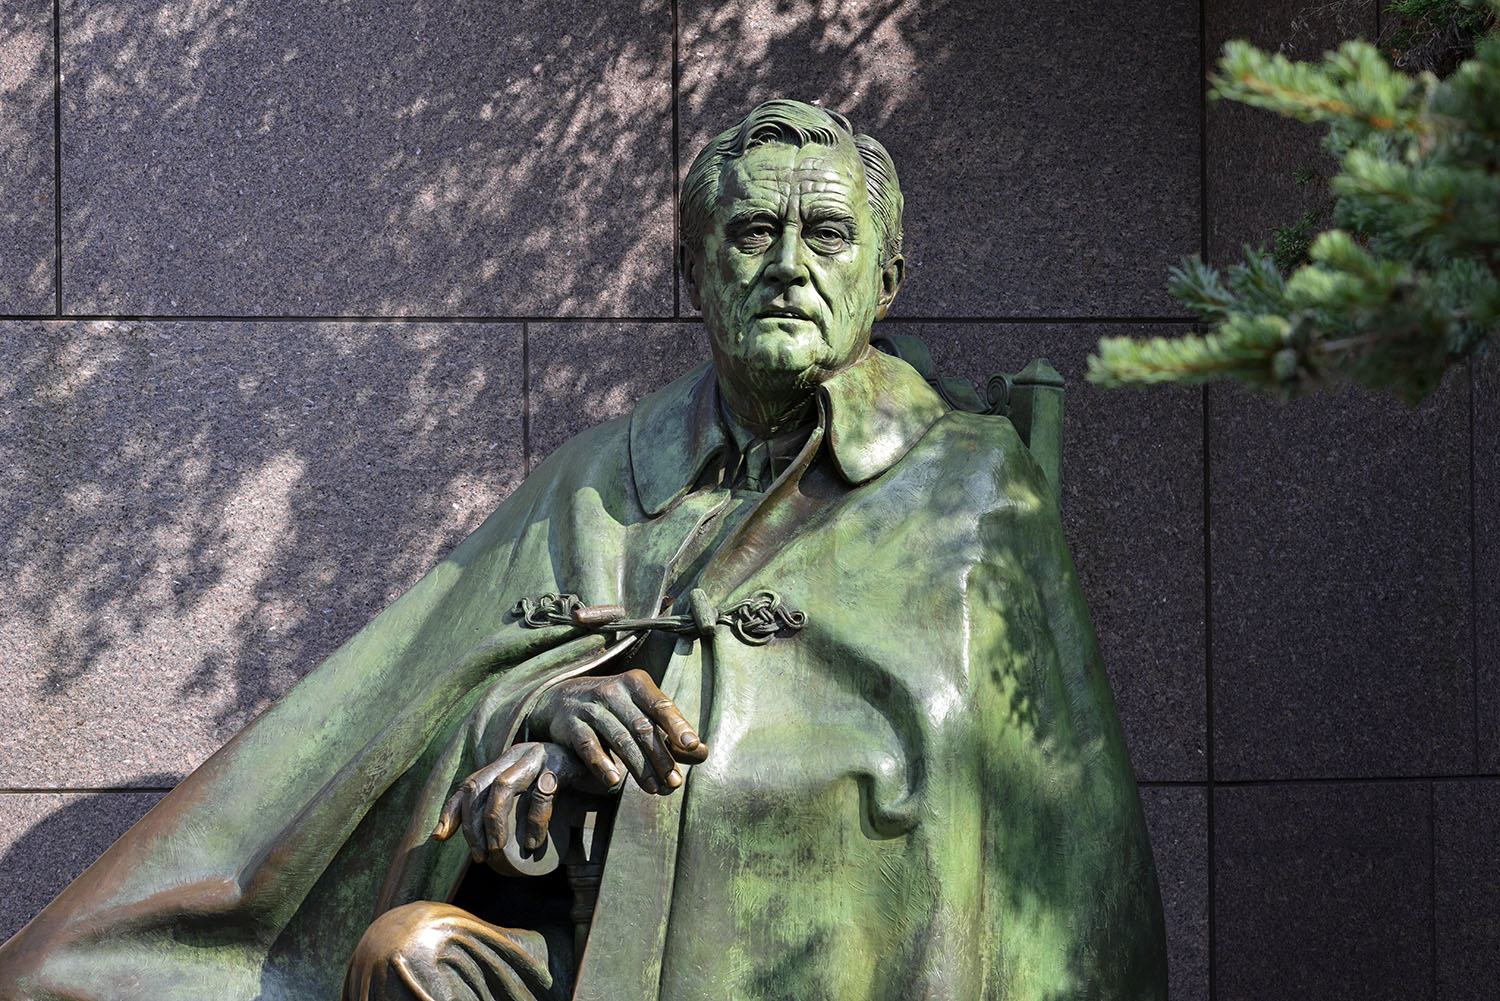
780,687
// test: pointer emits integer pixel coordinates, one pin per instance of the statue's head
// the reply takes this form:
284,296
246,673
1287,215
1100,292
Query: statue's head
791,246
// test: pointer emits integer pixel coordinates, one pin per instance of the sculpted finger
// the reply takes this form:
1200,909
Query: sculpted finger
448,819
578,738
462,804
652,741
539,813
513,781
683,741
473,817
624,743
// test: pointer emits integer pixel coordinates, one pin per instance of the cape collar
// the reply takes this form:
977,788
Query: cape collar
875,410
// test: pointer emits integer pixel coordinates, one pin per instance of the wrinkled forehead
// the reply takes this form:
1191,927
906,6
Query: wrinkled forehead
769,175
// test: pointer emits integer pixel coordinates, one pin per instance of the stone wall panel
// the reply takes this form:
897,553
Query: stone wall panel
359,158
1341,584
1323,891
195,514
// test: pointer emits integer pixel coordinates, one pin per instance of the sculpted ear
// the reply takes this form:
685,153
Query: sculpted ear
691,268
892,273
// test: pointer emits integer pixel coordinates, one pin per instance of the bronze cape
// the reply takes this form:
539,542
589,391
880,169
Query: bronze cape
924,793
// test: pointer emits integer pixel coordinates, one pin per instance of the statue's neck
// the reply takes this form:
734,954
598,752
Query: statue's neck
765,416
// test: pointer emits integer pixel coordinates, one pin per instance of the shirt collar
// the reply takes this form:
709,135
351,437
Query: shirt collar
876,409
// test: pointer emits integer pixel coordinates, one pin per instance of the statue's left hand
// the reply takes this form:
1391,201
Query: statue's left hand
625,716
485,803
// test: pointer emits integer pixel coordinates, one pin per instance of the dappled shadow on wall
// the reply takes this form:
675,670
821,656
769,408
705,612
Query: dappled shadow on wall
247,156
870,61
193,514
26,213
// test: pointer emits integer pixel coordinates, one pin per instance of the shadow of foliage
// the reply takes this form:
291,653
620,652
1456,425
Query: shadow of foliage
27,258
197,513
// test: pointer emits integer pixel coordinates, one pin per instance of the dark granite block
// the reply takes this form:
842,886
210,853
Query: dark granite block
1133,514
47,839
27,251
1048,154
368,158
1323,891
583,374
1486,446
194,514
1254,155
1466,826
1341,616
1177,817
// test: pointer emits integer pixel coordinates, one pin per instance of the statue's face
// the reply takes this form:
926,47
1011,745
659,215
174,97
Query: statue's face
789,277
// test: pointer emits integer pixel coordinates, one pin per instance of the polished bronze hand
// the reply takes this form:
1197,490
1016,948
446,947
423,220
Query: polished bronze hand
625,714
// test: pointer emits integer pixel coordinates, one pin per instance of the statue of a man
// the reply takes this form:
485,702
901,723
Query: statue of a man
805,644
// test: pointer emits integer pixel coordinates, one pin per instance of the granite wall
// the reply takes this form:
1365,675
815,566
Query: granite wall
291,295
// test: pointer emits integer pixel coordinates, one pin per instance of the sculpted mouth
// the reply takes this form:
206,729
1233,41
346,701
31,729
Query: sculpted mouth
783,312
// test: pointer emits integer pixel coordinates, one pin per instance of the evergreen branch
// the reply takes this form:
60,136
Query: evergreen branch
1408,286
1197,285
1353,85
1245,350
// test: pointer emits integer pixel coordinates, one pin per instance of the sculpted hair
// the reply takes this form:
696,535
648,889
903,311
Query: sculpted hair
799,125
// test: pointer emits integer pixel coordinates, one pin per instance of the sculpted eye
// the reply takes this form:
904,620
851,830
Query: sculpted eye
828,239
754,236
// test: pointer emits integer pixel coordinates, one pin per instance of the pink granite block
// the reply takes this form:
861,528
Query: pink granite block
193,515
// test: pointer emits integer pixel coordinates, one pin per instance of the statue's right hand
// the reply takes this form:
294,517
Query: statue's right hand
625,714
486,801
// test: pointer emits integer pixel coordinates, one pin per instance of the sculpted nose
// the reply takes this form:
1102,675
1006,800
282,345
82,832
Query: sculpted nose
788,263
